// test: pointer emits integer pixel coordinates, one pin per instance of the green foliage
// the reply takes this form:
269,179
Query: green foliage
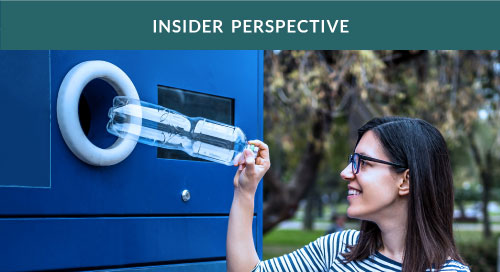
337,146
480,254
464,168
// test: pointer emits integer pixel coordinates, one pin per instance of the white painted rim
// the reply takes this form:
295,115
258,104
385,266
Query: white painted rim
67,111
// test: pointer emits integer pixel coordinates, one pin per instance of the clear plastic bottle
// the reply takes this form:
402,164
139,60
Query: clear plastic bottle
158,126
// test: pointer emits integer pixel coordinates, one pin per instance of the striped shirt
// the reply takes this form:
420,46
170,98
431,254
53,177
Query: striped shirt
324,254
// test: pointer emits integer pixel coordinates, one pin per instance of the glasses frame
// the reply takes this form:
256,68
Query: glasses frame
355,170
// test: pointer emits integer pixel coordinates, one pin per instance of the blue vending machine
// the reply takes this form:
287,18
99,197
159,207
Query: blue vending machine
74,197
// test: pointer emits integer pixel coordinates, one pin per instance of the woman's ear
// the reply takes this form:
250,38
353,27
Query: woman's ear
404,183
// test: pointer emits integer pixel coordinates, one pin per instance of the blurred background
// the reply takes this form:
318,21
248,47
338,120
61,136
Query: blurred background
314,102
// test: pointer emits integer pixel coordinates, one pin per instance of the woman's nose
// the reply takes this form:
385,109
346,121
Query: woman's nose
347,173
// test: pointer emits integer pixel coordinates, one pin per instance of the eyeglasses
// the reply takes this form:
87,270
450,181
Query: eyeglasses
355,159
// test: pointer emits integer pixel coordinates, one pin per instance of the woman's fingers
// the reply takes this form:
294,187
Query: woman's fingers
249,160
263,155
263,148
239,159
258,161
251,169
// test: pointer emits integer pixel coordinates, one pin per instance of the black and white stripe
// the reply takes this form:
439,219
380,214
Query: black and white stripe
324,255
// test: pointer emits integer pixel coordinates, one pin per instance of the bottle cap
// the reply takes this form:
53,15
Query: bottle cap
240,158
254,149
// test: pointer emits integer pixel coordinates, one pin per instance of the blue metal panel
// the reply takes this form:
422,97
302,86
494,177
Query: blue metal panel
142,183
190,267
25,126
66,243
89,212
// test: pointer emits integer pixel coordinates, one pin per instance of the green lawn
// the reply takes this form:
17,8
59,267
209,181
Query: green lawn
279,242
468,236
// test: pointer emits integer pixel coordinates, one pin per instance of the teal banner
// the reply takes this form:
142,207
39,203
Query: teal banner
249,25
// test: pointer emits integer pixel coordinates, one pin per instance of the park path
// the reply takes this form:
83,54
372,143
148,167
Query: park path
297,225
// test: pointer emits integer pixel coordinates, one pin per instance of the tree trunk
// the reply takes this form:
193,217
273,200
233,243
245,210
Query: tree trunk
461,207
283,199
309,211
484,174
486,181
486,217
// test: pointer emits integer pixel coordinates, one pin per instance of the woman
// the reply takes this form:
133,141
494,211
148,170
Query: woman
399,184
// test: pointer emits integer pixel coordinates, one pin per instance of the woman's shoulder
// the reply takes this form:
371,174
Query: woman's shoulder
339,240
345,237
454,266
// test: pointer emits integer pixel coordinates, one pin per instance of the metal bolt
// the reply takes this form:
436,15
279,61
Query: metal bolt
186,195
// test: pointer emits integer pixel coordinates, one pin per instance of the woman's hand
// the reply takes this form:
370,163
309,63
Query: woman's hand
251,171
240,248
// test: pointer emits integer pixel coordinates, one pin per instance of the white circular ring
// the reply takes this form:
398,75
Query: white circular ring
67,111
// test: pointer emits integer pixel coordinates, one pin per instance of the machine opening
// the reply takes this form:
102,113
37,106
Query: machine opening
95,101
194,104
84,114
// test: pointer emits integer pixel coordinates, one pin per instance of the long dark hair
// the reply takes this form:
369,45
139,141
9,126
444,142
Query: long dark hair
429,235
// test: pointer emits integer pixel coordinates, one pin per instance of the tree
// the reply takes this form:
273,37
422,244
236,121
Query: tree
315,99
457,86
306,94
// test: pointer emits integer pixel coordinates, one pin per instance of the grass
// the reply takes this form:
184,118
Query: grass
279,242
468,236
292,237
